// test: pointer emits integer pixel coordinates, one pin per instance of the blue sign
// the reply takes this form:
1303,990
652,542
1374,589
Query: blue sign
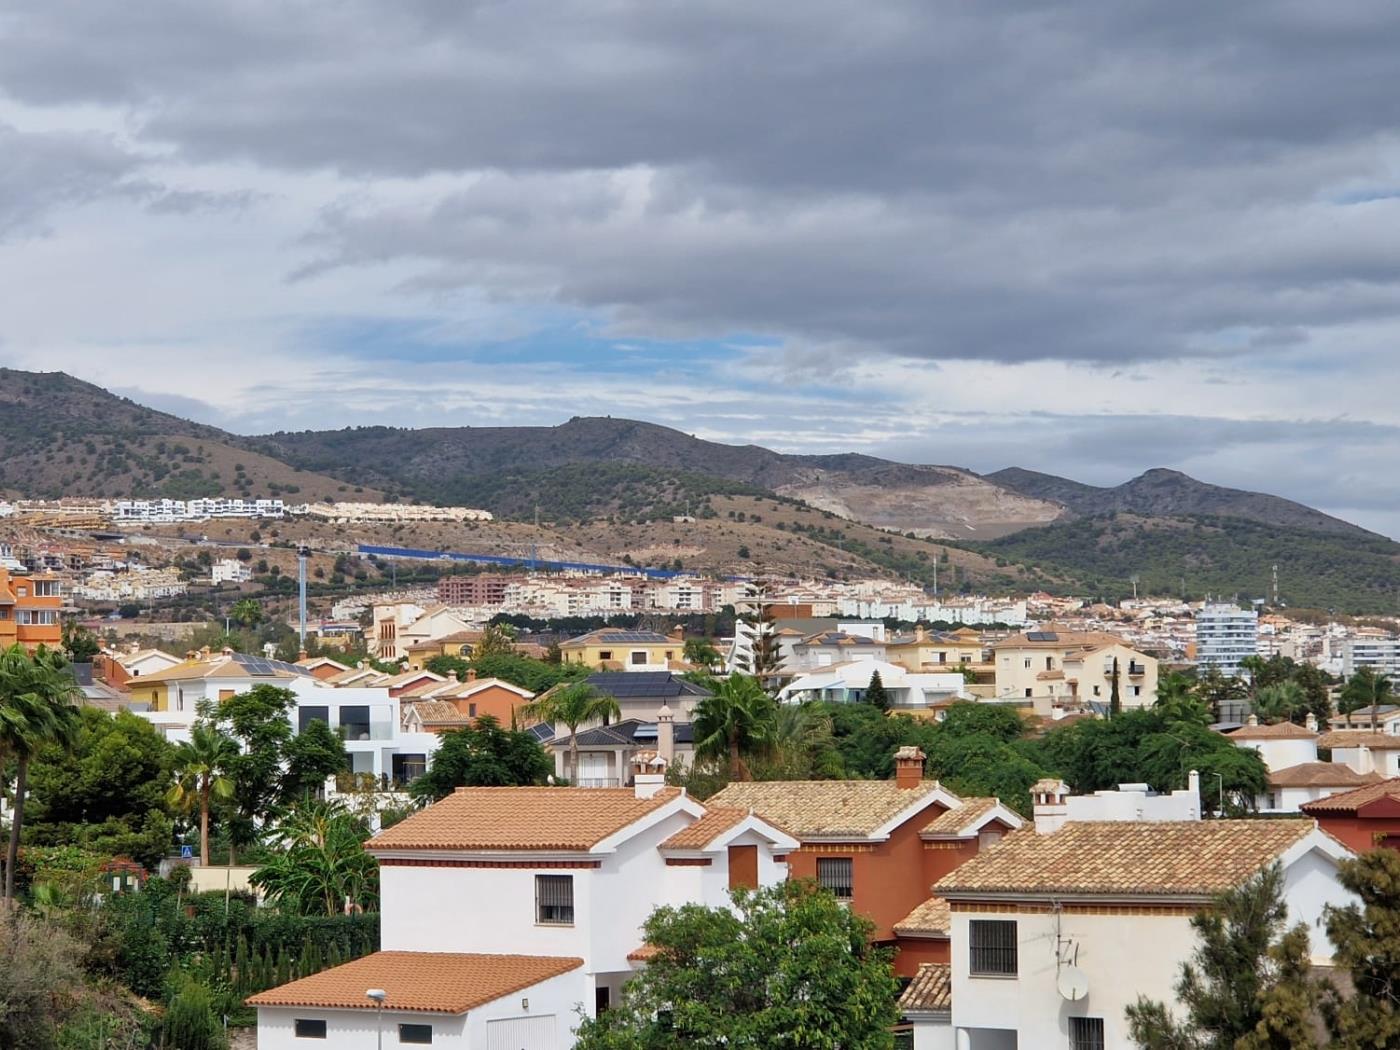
187,853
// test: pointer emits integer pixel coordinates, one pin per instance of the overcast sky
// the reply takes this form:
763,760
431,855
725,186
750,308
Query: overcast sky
1083,237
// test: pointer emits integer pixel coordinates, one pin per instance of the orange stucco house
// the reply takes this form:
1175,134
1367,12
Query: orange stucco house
1362,819
881,845
439,707
29,608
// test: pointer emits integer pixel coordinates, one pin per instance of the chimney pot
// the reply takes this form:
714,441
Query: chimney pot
1252,720
471,674
908,768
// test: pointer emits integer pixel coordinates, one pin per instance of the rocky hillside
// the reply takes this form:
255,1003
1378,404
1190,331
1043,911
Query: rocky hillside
1170,493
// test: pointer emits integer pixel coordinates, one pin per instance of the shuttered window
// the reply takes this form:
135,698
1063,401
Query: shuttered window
834,874
554,900
1086,1033
992,947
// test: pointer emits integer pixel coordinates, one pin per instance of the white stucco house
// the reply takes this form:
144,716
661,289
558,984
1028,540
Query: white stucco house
1056,930
847,683
1297,777
557,880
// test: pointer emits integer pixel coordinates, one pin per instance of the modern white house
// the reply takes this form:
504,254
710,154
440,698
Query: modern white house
1057,930
847,683
550,886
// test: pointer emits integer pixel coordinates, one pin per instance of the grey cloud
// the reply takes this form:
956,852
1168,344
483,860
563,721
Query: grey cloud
45,170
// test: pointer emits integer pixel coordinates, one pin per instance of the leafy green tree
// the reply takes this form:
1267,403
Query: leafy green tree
738,719
875,694
1365,689
483,754
201,776
1247,987
701,652
37,708
572,705
320,863
787,968
496,640
79,644
107,791
1366,939
311,755
259,722
1218,689
190,1022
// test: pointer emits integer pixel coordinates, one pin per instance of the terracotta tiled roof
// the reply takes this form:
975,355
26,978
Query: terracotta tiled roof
716,821
930,990
404,677
1109,858
1282,731
521,818
1048,676
1351,801
810,808
1322,774
933,918
1360,738
643,953
435,982
437,711
955,821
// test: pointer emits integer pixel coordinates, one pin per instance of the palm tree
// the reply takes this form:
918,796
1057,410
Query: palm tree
1276,703
320,865
1177,701
200,765
573,705
38,700
1365,689
247,611
738,718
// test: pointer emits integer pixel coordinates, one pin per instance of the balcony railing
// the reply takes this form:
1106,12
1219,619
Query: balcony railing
599,782
1136,670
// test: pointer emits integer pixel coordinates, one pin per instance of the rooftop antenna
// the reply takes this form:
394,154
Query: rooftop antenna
1275,585
535,538
1133,579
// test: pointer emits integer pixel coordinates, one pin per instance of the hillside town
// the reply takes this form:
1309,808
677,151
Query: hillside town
618,525
590,748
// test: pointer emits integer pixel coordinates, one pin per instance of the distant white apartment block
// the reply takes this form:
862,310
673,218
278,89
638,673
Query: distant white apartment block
1225,635
1381,655
170,510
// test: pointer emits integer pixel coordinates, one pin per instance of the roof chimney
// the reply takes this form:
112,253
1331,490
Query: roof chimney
666,734
648,774
1310,722
452,676
918,632
908,767
678,632
1252,720
1049,798
471,674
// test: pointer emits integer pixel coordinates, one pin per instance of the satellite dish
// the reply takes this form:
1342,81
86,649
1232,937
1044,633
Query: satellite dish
1073,983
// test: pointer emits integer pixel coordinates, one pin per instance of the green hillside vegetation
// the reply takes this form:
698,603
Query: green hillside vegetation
580,492
1225,556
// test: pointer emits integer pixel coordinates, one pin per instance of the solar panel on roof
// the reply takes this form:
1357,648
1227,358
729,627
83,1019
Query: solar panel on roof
1042,636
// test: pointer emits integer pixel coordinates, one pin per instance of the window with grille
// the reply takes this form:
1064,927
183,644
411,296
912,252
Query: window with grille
554,900
1086,1033
304,1028
420,1034
992,947
834,874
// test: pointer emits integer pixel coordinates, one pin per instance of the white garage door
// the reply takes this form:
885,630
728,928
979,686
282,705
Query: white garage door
521,1033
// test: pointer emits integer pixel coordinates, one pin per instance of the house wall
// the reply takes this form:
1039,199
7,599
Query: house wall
1282,754
1109,947
494,700
913,952
555,998
1358,833
889,878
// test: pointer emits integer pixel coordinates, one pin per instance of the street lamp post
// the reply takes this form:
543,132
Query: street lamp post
378,995
1221,778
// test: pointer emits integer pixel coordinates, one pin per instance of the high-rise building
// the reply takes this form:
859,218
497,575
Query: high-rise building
1381,655
1225,635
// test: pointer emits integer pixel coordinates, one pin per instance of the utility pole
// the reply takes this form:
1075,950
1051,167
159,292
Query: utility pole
303,552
